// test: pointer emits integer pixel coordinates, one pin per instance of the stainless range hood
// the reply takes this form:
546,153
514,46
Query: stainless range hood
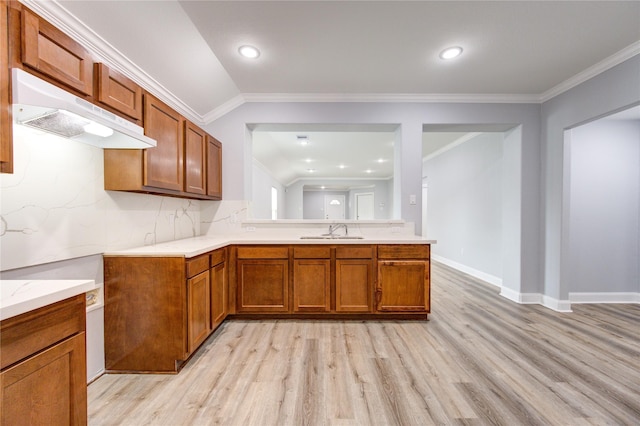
41,105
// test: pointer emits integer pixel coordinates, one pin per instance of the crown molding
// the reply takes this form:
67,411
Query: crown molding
391,97
68,23
223,109
602,66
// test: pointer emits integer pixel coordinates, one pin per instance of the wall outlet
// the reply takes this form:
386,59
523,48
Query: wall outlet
395,229
251,229
412,199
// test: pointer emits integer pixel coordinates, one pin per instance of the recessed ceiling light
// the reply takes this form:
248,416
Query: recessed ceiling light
311,170
249,52
451,52
368,171
308,160
342,166
381,160
303,139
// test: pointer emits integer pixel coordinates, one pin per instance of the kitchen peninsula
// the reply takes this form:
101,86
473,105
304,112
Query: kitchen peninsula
163,301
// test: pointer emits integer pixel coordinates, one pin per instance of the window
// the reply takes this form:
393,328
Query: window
274,203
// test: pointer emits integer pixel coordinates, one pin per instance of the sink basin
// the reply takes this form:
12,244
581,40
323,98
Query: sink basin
328,237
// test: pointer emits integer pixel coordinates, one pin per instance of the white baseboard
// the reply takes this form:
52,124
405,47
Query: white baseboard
515,296
612,297
488,278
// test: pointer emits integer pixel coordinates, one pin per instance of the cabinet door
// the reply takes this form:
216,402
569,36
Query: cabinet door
263,285
163,165
49,388
6,138
195,172
214,168
311,285
219,294
50,51
403,286
118,91
198,313
353,285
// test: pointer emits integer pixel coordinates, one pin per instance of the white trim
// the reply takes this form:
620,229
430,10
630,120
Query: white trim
223,109
491,279
487,98
556,304
602,66
610,297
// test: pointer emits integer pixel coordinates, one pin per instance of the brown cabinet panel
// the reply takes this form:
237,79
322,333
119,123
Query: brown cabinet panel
403,286
145,313
354,252
354,280
311,252
118,92
197,265
48,388
195,172
312,285
163,165
403,251
198,309
219,292
263,252
51,52
214,168
6,127
263,285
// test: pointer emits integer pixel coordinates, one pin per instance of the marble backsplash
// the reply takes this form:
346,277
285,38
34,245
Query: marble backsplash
54,206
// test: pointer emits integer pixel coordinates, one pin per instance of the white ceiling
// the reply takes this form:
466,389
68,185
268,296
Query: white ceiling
186,51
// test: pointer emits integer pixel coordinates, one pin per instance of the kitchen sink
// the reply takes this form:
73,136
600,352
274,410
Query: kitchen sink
329,237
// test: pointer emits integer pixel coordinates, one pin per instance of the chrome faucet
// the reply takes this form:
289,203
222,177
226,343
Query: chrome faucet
335,227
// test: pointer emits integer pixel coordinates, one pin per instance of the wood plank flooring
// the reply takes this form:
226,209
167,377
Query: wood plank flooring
479,360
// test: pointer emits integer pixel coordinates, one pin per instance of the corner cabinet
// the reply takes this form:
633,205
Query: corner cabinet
43,377
403,283
6,126
159,310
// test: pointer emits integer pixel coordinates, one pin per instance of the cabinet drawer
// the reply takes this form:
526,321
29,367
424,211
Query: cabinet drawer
322,252
357,252
263,252
197,265
218,256
33,331
404,251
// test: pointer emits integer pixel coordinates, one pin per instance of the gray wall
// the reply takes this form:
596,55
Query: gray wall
523,158
613,90
604,207
313,203
464,209
262,182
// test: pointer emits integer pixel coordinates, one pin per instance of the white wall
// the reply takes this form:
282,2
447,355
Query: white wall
464,209
613,90
262,182
604,207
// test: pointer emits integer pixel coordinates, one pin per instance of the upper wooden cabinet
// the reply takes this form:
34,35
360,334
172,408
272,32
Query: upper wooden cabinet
195,170
53,53
6,136
187,162
214,168
117,91
163,165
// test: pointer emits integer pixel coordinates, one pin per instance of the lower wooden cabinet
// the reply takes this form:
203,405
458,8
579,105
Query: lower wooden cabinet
198,309
354,278
403,283
159,310
43,377
311,285
219,288
263,285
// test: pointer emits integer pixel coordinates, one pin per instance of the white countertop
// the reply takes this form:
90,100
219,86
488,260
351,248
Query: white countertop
21,296
191,247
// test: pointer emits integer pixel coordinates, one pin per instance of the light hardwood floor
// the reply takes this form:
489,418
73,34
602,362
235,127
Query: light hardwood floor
480,359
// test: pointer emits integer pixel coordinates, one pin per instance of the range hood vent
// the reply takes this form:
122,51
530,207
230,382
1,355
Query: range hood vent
41,105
